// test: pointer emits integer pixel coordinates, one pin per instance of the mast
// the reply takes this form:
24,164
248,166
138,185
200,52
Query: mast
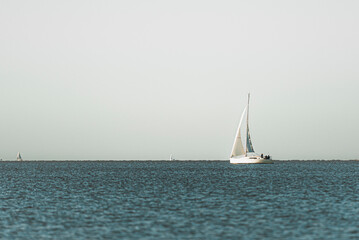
246,149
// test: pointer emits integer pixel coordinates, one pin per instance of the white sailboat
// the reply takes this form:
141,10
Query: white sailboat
246,154
171,158
18,156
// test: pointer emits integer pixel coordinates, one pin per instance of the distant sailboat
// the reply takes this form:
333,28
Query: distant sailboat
171,158
246,154
18,156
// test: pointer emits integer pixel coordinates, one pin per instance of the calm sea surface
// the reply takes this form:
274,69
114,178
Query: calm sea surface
179,200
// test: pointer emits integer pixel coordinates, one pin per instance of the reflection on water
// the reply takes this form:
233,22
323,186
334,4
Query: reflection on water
206,200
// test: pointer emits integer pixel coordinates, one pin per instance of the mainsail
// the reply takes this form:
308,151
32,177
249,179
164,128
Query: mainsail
249,146
249,142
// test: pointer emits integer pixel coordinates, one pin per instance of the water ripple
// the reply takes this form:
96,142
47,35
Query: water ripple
179,200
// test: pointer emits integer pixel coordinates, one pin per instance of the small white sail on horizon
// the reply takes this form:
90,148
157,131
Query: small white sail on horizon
18,156
171,158
245,154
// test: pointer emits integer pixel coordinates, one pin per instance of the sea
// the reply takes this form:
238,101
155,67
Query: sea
179,200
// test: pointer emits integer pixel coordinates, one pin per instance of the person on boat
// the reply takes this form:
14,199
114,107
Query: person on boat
262,155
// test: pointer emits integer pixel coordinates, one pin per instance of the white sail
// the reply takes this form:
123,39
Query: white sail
18,156
238,149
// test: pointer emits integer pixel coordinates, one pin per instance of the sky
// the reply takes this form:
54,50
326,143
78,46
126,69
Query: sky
138,79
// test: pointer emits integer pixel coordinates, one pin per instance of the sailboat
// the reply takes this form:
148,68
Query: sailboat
246,154
18,156
171,158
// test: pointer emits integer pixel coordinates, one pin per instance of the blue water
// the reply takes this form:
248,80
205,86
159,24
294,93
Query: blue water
179,200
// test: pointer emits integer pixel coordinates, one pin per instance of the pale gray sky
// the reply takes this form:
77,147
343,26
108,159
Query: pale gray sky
137,79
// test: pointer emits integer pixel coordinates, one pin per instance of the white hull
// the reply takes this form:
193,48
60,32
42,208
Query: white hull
250,160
